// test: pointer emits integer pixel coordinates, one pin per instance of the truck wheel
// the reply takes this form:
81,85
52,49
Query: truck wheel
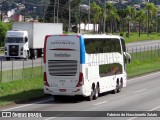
27,55
39,53
7,58
35,54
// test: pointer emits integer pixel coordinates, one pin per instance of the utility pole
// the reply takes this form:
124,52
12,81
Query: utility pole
104,15
69,21
1,13
56,10
89,13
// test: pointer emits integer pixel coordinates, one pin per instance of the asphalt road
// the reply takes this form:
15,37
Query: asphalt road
131,47
141,94
143,46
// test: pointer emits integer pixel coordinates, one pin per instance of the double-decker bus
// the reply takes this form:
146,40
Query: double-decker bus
85,65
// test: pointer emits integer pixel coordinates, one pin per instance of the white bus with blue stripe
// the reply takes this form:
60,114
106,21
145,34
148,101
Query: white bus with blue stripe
85,65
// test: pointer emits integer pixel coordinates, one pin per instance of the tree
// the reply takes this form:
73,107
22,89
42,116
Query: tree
96,11
112,15
151,11
121,13
63,12
4,27
130,15
140,18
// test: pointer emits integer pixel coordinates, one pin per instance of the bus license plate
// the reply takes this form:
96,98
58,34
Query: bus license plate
62,90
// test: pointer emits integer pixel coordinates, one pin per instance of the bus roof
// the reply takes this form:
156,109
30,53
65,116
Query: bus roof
101,36
92,35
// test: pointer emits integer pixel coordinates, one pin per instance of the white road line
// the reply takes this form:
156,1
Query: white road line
50,118
54,117
154,108
129,80
146,112
27,105
100,103
140,91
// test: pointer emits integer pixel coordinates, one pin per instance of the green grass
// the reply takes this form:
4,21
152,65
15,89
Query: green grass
23,90
21,74
137,67
1,52
134,37
144,63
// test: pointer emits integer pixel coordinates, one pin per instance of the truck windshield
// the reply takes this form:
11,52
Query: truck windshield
14,40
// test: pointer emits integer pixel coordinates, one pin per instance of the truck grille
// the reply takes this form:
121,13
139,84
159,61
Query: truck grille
62,67
13,50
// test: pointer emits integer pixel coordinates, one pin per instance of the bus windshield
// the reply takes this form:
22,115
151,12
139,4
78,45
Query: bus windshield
14,40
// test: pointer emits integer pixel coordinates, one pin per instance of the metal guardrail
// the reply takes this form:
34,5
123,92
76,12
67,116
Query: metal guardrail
31,69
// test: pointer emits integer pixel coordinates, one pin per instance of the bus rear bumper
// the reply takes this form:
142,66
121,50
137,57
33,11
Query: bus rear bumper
63,91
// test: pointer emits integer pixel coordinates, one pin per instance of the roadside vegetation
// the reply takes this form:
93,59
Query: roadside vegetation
135,38
29,89
23,90
1,52
143,63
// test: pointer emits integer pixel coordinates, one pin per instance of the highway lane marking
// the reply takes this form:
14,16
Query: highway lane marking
52,99
129,80
54,117
50,118
43,101
100,103
145,112
154,108
138,91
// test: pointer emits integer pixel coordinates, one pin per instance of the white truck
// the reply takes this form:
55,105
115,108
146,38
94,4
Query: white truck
26,40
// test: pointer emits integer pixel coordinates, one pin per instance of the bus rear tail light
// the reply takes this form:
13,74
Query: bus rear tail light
81,80
45,79
45,45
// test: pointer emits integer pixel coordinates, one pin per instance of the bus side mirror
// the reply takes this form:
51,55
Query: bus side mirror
127,57
26,39
129,60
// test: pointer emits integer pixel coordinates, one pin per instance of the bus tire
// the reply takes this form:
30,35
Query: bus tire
116,89
90,97
96,93
120,86
57,98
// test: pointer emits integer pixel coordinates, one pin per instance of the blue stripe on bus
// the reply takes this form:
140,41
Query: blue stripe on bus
82,50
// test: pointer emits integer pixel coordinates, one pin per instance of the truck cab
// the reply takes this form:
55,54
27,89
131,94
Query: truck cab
16,44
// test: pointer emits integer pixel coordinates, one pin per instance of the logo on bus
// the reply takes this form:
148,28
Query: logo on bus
62,55
65,42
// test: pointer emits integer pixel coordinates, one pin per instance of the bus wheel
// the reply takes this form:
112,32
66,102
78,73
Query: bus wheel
116,89
57,98
96,93
90,98
120,86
